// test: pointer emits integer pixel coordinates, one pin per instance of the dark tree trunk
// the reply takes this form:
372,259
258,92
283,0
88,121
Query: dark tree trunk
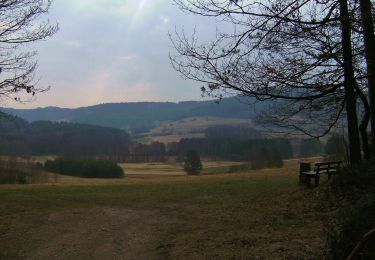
369,40
364,123
350,96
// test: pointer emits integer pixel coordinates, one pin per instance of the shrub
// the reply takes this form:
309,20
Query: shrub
87,168
192,163
355,179
354,192
353,224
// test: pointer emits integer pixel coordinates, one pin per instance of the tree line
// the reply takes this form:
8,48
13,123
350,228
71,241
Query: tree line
239,143
86,168
18,137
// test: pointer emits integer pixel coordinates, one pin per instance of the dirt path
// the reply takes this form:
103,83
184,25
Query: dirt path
102,233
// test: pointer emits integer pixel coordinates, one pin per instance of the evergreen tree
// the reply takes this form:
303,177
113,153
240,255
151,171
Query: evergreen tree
192,163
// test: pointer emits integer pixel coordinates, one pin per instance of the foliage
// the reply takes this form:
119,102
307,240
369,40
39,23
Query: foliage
87,168
192,163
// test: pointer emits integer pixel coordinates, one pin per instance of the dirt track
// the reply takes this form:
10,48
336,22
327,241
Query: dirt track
102,233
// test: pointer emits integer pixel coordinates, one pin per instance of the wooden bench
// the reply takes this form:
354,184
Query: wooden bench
306,174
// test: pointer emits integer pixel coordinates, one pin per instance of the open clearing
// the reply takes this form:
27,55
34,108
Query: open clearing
255,215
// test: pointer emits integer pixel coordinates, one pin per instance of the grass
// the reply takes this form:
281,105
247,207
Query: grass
261,214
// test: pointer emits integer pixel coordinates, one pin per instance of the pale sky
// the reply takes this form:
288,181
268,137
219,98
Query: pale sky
113,51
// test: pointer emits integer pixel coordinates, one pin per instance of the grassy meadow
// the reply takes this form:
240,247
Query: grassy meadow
157,212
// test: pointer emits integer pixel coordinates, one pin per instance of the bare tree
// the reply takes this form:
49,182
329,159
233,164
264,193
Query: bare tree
297,54
20,25
366,8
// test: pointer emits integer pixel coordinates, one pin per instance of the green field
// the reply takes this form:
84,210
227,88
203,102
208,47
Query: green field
254,215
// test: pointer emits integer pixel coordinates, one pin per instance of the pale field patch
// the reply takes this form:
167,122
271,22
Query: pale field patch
193,127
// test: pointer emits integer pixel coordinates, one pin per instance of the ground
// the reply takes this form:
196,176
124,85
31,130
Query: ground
254,215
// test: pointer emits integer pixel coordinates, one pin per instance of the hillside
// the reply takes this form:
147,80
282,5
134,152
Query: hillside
139,117
19,137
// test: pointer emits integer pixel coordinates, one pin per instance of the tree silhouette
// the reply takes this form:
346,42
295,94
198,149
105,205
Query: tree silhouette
306,57
192,163
21,25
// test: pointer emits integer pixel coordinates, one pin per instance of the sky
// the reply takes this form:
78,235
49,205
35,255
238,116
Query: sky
113,51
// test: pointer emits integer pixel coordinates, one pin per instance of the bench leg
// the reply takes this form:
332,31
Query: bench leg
304,180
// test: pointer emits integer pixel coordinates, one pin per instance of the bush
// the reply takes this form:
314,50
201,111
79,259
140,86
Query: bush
192,163
353,224
354,192
87,168
352,180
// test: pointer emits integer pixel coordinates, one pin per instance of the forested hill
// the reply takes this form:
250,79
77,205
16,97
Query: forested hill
140,115
19,137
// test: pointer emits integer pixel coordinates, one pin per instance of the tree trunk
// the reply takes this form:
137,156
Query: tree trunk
364,123
350,96
369,41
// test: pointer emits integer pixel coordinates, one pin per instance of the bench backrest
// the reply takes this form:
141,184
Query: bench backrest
327,167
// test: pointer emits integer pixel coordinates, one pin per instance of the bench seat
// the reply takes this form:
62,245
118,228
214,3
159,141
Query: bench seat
309,173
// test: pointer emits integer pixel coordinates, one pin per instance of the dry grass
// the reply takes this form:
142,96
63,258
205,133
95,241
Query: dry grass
253,215
194,127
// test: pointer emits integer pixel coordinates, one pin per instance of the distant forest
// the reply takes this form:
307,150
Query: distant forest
18,137
239,143
140,116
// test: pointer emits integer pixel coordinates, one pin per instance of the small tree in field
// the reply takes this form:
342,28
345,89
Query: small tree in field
192,163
